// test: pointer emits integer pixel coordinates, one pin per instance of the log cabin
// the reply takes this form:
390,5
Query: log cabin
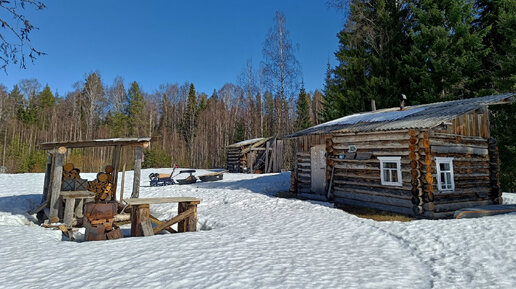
425,161
258,155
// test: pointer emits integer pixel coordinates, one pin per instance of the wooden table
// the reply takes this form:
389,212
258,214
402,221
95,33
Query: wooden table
70,210
141,219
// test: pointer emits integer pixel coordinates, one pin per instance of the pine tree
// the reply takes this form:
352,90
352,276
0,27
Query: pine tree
302,111
135,109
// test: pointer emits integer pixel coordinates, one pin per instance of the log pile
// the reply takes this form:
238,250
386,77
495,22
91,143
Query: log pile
98,221
102,186
70,172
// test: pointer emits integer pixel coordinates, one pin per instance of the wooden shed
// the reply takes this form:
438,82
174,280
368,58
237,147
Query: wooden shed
258,155
52,189
425,161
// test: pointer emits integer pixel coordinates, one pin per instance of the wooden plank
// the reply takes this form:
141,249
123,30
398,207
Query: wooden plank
147,228
46,184
142,201
370,185
450,149
380,136
77,194
386,200
158,223
138,152
68,212
97,143
401,210
398,194
183,215
55,200
38,209
116,168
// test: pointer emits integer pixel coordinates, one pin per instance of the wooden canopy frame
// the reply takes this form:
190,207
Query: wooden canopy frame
54,168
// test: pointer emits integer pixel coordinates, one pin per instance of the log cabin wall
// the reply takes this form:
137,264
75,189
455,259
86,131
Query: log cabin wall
475,177
234,160
357,177
303,163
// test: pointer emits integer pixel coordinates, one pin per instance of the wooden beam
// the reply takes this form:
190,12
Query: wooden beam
97,143
116,168
183,215
55,200
141,201
46,184
138,152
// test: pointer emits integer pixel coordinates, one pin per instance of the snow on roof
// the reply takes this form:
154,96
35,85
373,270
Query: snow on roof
246,142
420,116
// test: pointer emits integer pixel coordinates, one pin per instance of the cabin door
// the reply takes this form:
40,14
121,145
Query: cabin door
318,169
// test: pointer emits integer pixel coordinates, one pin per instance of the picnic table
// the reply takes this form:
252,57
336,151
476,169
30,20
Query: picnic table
141,219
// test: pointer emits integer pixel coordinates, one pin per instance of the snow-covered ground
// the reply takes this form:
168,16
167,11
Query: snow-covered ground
249,238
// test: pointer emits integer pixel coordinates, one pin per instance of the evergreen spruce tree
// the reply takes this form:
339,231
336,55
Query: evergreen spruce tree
445,53
46,98
371,46
302,111
135,109
498,73
190,116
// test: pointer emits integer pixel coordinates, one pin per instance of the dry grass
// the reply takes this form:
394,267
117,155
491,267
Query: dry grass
374,214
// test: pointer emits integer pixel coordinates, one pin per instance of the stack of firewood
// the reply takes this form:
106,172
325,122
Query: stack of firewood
98,221
102,186
70,172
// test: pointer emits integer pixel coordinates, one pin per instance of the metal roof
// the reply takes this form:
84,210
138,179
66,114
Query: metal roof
245,142
412,117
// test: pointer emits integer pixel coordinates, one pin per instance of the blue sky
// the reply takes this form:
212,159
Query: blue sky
156,42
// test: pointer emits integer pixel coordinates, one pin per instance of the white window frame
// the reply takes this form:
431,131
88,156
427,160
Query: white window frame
396,160
438,162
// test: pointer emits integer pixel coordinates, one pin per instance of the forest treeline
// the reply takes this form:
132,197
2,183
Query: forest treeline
191,129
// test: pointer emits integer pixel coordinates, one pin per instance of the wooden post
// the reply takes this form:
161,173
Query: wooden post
116,167
68,213
181,207
251,161
140,221
189,224
55,199
266,166
138,152
48,173
122,183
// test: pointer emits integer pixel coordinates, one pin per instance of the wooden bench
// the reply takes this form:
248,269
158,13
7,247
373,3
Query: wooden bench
141,219
70,210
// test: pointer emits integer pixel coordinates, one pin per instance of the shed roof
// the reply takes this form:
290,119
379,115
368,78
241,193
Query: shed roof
412,117
96,143
246,142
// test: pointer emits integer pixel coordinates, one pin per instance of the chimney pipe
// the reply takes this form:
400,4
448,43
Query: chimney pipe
373,105
402,101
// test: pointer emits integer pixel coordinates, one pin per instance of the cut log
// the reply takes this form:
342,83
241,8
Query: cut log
109,169
68,167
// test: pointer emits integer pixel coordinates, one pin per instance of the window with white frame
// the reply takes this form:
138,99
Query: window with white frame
390,170
445,174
